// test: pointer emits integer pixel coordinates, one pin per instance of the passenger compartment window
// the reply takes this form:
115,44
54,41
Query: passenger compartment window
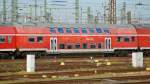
52,30
68,30
2,39
126,39
84,45
84,30
91,30
98,30
62,46
119,39
133,38
31,39
92,45
69,46
40,39
77,45
60,30
99,45
76,30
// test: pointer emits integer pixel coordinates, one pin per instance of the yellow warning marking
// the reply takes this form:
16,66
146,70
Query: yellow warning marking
147,69
62,63
44,76
54,76
76,75
108,63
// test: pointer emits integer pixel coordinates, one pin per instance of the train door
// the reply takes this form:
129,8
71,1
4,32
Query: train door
107,43
53,44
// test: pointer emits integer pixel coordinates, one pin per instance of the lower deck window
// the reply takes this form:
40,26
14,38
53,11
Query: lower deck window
69,46
92,45
77,45
62,46
99,45
84,46
2,39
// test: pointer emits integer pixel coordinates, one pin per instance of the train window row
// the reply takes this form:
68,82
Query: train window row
38,39
125,39
3,39
78,46
76,30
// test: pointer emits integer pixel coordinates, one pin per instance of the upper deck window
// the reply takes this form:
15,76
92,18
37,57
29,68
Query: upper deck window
91,30
60,30
106,30
84,30
76,30
68,30
52,30
98,30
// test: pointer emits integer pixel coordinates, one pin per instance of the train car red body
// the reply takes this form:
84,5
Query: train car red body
75,39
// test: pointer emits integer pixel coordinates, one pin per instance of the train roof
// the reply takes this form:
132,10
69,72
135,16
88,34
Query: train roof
7,29
32,30
141,25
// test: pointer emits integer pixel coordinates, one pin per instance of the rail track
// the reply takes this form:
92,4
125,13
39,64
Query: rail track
138,79
75,71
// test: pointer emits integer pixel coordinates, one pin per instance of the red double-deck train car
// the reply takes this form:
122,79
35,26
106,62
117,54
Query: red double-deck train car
74,39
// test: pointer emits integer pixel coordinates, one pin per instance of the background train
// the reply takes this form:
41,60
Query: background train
20,40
